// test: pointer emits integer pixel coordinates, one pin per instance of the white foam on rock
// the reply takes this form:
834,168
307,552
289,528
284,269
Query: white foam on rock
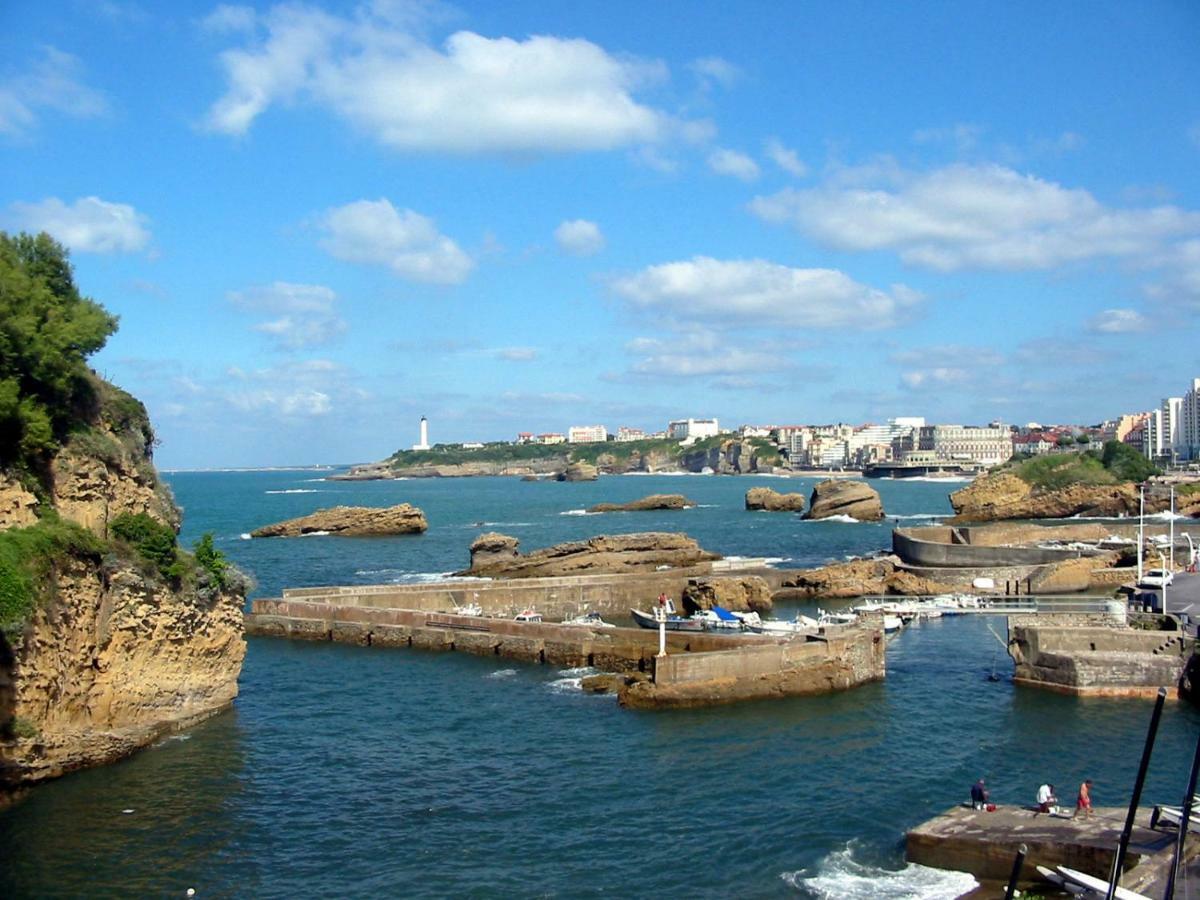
841,877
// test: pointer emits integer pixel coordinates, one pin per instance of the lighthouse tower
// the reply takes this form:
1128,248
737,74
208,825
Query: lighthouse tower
424,442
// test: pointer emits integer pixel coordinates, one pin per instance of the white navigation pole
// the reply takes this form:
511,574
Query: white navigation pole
661,615
1170,567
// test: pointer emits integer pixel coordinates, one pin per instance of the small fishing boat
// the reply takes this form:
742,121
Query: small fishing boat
673,622
590,620
835,618
528,616
799,625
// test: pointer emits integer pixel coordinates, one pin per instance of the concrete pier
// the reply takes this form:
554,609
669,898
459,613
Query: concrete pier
700,668
985,844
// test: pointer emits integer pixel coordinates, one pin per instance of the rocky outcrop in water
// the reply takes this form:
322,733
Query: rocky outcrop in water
497,556
748,593
579,471
845,497
351,521
653,502
856,578
765,498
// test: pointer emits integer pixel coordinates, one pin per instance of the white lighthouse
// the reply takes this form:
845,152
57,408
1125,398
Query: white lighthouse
424,442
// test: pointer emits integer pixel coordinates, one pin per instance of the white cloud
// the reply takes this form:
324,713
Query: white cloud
733,163
374,231
712,71
940,376
305,389
89,225
945,365
472,95
756,293
1118,321
697,353
785,158
964,137
579,237
307,319
230,18
959,217
1180,288
51,83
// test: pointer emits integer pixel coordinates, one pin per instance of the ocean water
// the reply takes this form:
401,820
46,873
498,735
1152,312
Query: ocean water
345,771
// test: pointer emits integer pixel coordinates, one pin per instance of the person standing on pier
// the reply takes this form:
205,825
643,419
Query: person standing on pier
1084,804
979,795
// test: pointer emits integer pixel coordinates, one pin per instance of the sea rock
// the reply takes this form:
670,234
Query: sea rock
845,497
857,578
1003,495
496,556
772,501
654,501
351,521
737,594
579,471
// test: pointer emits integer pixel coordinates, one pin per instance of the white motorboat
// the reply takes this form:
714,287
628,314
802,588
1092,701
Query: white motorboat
835,618
799,625
589,620
528,616
468,609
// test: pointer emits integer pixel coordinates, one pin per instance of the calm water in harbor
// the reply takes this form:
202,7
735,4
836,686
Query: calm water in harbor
352,772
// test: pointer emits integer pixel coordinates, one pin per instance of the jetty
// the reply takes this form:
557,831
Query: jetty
986,843
698,669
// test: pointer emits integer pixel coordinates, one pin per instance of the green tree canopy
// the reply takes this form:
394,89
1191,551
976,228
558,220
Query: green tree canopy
1126,463
47,332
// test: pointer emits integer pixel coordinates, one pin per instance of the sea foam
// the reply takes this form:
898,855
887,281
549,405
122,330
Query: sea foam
841,877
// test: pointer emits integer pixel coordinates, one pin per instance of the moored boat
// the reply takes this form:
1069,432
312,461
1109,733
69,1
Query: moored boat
673,622
590,620
799,625
528,616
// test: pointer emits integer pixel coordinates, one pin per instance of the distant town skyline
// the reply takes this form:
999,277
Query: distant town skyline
319,222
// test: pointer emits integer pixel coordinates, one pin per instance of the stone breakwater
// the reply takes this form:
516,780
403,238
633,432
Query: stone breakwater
700,669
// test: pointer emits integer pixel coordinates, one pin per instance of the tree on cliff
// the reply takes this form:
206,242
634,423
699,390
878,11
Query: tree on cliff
47,332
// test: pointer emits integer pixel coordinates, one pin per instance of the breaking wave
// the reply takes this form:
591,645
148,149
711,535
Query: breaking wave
839,876
578,512
502,673
296,491
848,520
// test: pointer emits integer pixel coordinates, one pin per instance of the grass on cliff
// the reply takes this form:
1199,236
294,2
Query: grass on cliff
455,454
28,558
1115,464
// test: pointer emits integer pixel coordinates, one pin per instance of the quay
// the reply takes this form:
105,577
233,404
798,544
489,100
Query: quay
986,843
699,668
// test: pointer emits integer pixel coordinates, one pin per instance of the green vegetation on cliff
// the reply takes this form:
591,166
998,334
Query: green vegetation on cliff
47,331
456,454
1117,463
28,556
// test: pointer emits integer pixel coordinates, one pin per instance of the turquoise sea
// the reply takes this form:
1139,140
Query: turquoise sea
345,771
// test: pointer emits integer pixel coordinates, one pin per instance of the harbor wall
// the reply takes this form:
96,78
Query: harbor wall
944,546
1098,661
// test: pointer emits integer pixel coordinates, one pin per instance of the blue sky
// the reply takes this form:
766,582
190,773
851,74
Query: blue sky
320,222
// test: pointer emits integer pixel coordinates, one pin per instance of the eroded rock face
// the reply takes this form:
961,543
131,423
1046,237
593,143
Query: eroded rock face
845,497
772,501
1005,496
18,507
113,664
737,594
579,471
654,501
496,556
858,578
351,521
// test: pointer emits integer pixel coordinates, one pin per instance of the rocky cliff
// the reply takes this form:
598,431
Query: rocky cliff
730,457
845,497
1003,495
496,556
351,521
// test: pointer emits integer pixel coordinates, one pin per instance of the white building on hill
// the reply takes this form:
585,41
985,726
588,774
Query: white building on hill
586,434
692,429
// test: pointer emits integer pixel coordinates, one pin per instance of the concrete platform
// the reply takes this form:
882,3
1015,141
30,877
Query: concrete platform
985,844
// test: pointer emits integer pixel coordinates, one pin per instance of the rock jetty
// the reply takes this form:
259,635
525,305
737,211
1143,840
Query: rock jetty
845,497
497,556
772,501
654,501
351,521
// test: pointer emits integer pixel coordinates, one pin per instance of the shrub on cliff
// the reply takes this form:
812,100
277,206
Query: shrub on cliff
153,541
47,331
27,558
1126,463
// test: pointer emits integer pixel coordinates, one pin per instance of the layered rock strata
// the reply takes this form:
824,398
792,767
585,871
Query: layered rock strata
845,497
765,498
497,556
351,521
749,593
653,502
857,578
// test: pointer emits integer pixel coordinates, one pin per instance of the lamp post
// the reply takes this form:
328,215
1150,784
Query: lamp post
1141,531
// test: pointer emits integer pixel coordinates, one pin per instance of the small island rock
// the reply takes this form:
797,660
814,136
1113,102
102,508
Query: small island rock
749,593
654,501
496,556
844,497
772,501
351,521
579,471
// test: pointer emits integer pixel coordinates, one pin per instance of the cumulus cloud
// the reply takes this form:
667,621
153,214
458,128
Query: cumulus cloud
1117,321
944,365
89,225
1179,288
51,83
307,313
785,158
408,243
229,18
758,293
472,95
579,237
713,71
698,353
961,217
732,163
299,390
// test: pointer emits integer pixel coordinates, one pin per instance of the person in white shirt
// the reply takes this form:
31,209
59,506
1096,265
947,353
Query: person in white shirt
1045,798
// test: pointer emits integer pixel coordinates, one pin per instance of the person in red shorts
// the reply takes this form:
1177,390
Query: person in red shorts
1084,804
